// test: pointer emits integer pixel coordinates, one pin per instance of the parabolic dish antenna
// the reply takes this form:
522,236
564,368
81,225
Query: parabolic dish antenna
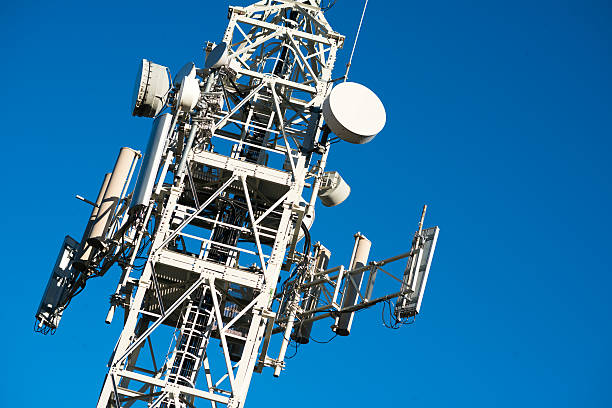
188,71
151,89
354,113
188,94
217,57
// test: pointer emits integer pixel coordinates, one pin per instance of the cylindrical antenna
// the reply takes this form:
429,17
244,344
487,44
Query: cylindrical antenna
113,193
152,160
361,251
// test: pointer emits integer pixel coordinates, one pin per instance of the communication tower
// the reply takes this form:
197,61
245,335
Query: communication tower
218,265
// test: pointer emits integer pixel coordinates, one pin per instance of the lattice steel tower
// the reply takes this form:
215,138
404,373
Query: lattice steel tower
213,239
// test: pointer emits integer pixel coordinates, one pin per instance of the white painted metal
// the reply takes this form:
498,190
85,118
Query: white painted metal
352,287
187,71
202,254
92,218
189,94
218,57
151,89
334,190
354,113
151,161
416,274
113,193
48,314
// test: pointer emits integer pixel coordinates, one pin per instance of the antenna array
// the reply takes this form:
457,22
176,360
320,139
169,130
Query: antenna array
213,241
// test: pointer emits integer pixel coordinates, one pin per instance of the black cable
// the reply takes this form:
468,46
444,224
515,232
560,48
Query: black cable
295,352
330,4
307,239
324,342
302,264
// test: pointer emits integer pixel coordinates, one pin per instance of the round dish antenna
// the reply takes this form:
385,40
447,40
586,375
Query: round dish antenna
151,89
188,94
334,190
354,113
188,71
217,57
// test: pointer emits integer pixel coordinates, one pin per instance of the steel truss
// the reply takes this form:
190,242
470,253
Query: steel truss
201,262
240,165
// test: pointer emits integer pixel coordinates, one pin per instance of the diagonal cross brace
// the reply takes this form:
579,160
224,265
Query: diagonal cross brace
198,211
222,122
228,363
242,312
282,128
159,321
248,200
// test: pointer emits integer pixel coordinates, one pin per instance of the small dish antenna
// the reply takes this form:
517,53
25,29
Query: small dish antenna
189,94
334,190
188,71
151,89
217,57
354,113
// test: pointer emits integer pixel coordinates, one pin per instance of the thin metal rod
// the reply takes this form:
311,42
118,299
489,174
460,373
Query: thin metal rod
269,210
282,127
86,200
242,312
389,274
228,363
164,172
248,200
363,268
152,354
345,310
209,383
348,66
225,376
157,291
193,189
159,399
187,150
115,391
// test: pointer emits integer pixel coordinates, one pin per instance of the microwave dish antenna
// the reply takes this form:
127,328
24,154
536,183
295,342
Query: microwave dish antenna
217,57
151,89
354,113
187,71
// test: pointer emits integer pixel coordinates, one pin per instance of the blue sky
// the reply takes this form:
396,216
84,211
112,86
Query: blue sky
499,117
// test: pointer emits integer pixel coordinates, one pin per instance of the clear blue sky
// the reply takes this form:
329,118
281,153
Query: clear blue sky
499,118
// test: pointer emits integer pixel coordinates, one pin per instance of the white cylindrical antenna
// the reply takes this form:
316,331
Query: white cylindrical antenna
112,195
92,218
361,251
152,160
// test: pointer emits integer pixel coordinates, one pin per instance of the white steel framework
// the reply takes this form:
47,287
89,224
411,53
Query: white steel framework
228,214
